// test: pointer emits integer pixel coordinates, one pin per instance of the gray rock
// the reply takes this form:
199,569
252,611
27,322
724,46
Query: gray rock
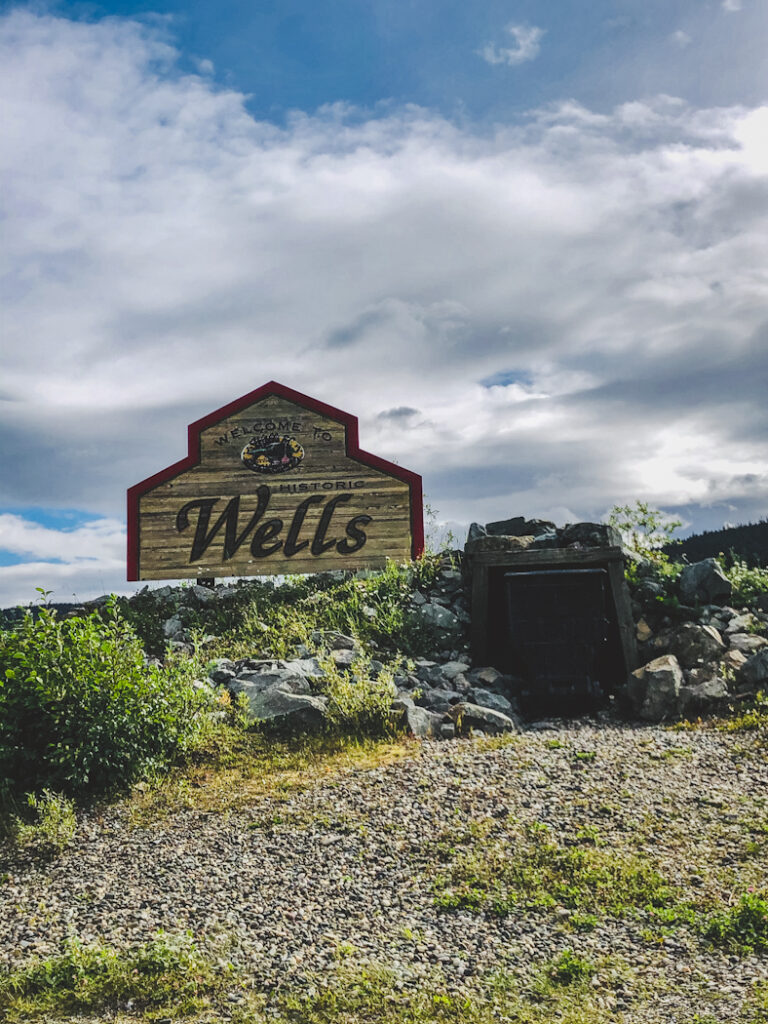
692,644
437,699
402,702
172,626
221,670
469,716
489,543
448,730
704,583
489,678
203,595
421,723
252,683
429,672
487,699
705,698
439,617
519,526
590,535
744,623
418,599
294,712
476,531
344,658
653,690
747,643
451,669
755,670
307,667
333,640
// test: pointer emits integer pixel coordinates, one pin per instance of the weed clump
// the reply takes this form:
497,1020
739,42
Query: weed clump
743,928
54,828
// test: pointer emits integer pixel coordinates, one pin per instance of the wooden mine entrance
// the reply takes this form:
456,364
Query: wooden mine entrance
557,619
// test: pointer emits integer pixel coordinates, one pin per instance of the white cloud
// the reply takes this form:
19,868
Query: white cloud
527,43
101,540
75,564
731,6
166,253
681,39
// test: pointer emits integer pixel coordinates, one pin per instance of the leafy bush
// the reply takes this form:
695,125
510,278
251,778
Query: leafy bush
81,709
54,828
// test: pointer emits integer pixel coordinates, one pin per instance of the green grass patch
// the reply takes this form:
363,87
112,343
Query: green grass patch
169,972
530,870
260,616
171,977
235,768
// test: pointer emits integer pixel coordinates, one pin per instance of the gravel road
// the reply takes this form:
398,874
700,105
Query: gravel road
346,865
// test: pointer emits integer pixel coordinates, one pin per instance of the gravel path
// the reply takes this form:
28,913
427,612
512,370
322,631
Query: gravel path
347,864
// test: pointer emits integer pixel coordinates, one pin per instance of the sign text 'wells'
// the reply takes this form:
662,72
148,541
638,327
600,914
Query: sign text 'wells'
273,483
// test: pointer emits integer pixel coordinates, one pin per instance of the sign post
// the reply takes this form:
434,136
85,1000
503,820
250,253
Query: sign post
273,483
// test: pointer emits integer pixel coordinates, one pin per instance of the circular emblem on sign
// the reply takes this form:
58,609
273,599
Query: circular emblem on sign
272,454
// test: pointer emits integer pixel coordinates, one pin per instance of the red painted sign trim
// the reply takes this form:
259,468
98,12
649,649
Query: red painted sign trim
353,451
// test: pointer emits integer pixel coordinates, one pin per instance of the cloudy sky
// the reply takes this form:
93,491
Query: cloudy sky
525,242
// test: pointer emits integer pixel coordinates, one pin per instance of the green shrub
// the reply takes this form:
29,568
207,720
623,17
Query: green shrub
80,709
748,584
54,828
644,530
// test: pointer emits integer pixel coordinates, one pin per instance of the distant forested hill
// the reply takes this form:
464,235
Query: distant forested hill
749,542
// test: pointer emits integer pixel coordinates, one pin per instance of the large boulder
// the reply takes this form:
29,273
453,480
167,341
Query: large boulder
754,671
488,699
488,542
284,711
747,643
471,716
254,683
654,689
704,583
706,698
438,699
439,617
693,645
417,722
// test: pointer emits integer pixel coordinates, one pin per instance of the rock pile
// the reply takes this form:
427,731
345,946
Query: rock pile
433,701
698,654
434,698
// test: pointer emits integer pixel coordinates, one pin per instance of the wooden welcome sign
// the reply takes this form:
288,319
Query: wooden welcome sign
273,483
